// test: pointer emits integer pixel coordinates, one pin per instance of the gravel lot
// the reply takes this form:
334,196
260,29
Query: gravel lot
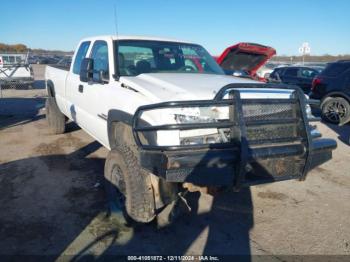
52,200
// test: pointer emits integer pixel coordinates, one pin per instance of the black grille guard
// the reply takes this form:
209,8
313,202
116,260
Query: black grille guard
243,156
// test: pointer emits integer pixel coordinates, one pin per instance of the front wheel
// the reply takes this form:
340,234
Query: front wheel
335,110
128,186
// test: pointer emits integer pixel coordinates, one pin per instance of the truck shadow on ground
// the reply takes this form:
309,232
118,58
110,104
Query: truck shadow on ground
14,111
48,200
342,131
224,230
218,225
49,203
39,84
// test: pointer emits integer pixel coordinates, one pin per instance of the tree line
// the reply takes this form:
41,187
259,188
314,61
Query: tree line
16,48
21,48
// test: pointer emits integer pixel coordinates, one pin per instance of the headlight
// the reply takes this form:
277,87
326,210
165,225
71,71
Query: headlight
192,119
201,114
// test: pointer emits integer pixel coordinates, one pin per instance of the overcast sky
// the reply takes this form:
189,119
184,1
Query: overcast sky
284,25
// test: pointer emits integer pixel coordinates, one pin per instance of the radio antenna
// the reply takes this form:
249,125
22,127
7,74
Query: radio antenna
116,19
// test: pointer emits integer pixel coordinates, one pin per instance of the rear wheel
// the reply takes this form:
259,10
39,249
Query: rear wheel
335,110
54,117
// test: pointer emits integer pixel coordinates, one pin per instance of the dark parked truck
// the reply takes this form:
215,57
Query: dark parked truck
332,87
174,122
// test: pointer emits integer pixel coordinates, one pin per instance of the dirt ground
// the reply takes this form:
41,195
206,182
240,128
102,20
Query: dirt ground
52,200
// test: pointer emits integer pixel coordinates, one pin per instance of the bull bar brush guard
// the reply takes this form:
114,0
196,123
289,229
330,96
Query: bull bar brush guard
261,148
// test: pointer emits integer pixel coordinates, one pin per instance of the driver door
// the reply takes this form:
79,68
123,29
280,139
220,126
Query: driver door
90,98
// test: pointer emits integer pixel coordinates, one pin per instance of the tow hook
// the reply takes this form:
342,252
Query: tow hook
173,210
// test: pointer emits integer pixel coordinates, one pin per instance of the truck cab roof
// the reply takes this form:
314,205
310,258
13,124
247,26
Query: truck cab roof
134,37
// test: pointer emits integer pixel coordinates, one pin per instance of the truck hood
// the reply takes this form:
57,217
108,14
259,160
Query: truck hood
160,87
245,56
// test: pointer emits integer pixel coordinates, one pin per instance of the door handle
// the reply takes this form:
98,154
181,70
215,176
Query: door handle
81,88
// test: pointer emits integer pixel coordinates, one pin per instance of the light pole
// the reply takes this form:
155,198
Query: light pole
304,49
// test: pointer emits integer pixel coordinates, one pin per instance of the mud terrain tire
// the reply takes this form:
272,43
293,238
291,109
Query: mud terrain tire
54,117
129,184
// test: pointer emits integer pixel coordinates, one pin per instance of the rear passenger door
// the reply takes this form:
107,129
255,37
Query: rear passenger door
305,79
290,76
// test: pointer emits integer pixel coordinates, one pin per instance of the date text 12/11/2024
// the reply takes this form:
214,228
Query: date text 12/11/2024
173,258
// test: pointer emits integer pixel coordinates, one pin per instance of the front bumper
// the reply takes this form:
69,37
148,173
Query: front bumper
261,149
221,167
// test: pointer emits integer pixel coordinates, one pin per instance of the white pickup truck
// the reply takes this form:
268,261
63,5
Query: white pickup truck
174,122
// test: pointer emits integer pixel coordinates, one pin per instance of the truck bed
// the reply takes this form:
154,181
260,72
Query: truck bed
63,67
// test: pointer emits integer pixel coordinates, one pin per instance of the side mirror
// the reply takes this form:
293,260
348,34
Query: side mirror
86,70
102,78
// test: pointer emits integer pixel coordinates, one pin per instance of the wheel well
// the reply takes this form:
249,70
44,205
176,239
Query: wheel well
120,132
50,88
337,95
120,128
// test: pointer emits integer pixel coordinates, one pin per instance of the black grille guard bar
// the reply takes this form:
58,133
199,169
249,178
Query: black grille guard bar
236,119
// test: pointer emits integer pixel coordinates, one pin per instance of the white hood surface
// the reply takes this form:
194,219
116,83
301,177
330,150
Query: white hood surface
162,87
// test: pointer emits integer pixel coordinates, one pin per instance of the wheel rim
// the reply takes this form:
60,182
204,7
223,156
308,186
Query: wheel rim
335,111
119,189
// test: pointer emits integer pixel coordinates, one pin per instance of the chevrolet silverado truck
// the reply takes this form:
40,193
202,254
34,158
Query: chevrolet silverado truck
173,122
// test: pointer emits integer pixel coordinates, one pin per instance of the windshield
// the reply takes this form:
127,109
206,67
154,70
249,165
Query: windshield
138,56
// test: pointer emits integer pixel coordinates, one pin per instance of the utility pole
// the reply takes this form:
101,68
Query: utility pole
304,50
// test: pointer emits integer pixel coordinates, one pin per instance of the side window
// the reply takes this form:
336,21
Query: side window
277,73
293,72
5,59
81,53
307,73
99,54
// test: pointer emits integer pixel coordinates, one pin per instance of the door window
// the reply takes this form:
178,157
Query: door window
307,73
291,72
81,53
99,54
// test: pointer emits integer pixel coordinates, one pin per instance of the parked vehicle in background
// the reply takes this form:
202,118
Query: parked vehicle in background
295,75
312,65
65,61
332,87
173,122
15,72
245,57
266,70
47,60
